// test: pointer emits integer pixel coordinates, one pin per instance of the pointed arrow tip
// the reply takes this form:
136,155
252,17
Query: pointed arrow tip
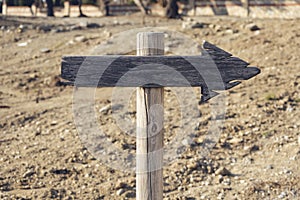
212,49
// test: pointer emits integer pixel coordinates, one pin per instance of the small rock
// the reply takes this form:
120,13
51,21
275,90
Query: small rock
120,192
235,140
80,38
53,123
71,42
254,148
199,25
130,195
185,25
180,188
93,25
83,24
193,25
251,148
221,195
186,142
33,76
211,26
107,33
252,27
45,50
116,22
192,166
220,178
223,171
189,19
116,107
287,171
217,28
54,193
282,195
120,185
75,27
289,108
229,31
105,109
60,171
45,28
207,183
270,167
28,173
58,30
226,181
21,28
23,44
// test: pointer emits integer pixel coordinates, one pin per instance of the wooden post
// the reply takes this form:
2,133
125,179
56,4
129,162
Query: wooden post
149,142
67,8
4,7
248,7
34,9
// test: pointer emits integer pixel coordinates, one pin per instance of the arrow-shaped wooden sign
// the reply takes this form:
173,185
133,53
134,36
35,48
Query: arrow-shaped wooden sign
213,70
107,71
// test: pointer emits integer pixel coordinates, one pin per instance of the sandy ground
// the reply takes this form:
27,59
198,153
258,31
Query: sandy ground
257,155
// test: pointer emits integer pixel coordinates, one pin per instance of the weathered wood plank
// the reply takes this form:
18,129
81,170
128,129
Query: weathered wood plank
149,117
214,69
212,49
93,72
106,71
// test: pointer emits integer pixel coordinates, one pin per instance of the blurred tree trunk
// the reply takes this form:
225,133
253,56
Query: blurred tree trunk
80,10
57,3
172,9
141,6
104,7
50,12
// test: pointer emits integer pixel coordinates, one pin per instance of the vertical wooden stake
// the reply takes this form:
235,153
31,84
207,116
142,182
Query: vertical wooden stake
149,142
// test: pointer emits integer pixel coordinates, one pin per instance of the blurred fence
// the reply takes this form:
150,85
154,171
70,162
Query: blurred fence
61,2
252,8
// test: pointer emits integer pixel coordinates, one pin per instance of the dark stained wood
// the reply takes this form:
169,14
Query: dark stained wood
214,69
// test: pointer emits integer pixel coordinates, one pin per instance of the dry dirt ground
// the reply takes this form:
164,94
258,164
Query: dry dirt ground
257,155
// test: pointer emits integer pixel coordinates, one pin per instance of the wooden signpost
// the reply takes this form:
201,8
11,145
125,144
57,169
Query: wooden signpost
106,71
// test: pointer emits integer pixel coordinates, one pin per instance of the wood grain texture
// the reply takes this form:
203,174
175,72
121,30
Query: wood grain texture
150,112
168,71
